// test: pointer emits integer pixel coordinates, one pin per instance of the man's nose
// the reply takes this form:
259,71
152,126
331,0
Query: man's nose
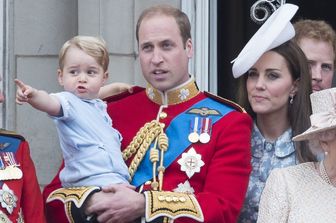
316,73
157,57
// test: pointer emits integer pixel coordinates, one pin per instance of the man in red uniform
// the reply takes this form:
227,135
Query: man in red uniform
20,195
188,151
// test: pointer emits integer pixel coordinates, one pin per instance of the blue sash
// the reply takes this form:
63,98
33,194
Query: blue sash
12,143
177,133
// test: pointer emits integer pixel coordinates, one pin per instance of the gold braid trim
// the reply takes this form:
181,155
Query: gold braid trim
76,194
68,213
152,131
172,205
138,139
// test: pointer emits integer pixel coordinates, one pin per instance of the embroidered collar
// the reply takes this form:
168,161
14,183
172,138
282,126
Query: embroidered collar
175,95
282,146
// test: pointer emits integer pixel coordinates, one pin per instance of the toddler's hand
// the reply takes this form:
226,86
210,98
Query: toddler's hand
24,92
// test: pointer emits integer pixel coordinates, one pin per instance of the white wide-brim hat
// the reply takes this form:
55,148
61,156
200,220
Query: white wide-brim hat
324,114
275,31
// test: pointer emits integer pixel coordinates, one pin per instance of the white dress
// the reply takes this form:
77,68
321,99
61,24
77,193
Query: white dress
297,194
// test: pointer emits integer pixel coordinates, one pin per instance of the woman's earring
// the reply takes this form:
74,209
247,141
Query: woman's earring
291,99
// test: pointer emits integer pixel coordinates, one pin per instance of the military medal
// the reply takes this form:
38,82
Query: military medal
9,169
184,188
206,130
191,162
7,198
4,218
193,137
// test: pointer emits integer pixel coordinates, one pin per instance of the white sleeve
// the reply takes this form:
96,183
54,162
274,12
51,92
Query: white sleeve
274,203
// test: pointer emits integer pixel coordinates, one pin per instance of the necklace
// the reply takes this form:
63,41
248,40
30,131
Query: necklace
324,174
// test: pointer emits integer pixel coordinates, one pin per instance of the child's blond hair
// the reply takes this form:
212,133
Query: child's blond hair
93,46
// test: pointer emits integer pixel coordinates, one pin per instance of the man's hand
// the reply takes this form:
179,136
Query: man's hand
117,204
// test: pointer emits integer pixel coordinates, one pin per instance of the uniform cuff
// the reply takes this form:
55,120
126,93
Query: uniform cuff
172,205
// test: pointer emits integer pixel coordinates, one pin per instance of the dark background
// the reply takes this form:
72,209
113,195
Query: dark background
235,28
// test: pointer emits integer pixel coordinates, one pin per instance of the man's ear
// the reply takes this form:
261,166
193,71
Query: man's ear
189,48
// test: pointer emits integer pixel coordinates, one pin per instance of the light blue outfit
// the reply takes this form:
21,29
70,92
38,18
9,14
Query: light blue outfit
266,156
90,146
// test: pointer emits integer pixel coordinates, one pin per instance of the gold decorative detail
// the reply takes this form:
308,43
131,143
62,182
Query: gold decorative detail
204,112
172,205
77,194
173,96
11,134
163,115
150,132
68,212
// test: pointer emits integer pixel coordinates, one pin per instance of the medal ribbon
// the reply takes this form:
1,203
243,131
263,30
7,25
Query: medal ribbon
13,143
206,125
195,124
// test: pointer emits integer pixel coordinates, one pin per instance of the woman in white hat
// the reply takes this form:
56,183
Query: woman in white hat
307,192
274,89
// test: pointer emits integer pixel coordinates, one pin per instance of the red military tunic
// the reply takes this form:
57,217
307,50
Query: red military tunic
20,195
219,180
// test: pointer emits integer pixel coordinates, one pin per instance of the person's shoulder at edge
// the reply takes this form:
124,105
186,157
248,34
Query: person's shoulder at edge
4,132
225,101
135,90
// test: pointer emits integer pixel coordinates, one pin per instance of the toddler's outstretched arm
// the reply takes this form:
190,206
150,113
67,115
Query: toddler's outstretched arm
39,99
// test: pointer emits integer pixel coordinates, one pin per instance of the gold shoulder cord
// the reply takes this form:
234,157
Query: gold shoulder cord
152,131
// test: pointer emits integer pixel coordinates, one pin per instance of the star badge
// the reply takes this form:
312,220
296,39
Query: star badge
4,218
191,162
7,198
184,188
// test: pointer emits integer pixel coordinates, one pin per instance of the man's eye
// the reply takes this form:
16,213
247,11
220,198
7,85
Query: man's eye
167,46
147,48
326,67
